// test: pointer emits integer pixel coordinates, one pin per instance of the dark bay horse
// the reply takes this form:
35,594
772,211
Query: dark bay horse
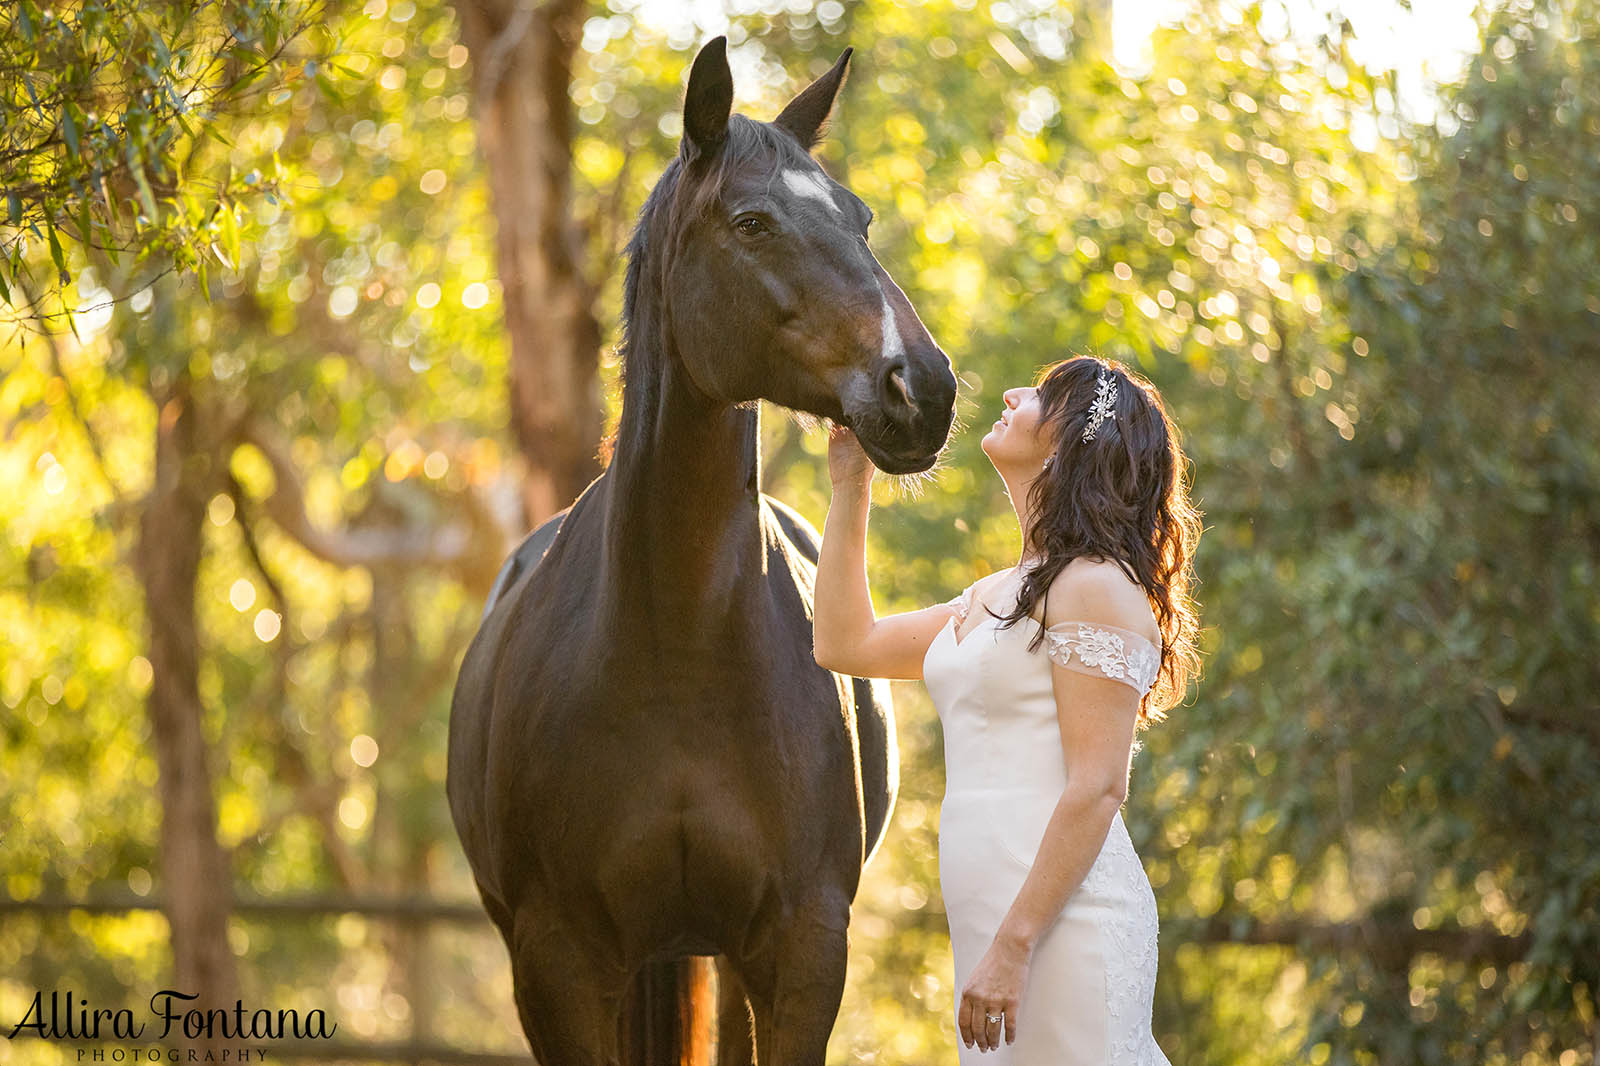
646,764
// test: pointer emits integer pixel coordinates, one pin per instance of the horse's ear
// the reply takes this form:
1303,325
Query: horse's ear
708,102
807,113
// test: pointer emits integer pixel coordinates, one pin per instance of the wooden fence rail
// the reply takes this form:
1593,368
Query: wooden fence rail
1396,941
401,908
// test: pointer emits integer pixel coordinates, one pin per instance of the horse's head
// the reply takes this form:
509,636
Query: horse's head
772,291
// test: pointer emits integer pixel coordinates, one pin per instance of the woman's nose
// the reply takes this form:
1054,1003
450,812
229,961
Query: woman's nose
1009,397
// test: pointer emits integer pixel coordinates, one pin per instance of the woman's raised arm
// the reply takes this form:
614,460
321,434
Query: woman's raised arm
848,636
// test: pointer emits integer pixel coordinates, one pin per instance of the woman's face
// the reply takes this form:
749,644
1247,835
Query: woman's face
1017,442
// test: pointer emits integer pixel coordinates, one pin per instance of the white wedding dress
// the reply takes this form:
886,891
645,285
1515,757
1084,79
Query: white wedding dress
1091,980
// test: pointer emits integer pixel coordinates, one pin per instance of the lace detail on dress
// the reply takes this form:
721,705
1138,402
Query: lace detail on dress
1116,653
1131,932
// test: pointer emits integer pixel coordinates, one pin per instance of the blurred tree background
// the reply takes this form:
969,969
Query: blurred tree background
256,501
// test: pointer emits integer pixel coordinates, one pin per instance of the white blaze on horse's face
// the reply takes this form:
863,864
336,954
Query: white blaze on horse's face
894,347
811,185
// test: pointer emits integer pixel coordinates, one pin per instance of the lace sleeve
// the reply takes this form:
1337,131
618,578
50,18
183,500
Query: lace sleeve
1104,650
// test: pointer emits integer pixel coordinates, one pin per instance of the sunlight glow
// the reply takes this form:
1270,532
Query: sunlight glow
1426,42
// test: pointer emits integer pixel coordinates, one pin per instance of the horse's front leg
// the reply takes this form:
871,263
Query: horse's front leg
795,986
569,1001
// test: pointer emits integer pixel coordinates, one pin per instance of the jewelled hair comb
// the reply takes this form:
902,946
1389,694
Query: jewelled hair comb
1105,394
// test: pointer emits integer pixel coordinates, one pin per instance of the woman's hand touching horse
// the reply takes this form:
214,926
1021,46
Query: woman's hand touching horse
848,465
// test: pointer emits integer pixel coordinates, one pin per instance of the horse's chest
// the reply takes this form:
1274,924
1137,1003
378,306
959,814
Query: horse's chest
690,692
762,648
697,681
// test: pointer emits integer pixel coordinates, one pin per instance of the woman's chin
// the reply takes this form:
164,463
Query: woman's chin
1006,464
999,449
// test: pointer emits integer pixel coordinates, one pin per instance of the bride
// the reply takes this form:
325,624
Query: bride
1041,674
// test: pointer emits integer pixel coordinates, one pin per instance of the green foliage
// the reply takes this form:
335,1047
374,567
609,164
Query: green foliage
1485,453
1380,339
107,103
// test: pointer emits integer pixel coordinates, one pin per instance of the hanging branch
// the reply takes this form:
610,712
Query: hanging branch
106,103
313,798
119,502
473,548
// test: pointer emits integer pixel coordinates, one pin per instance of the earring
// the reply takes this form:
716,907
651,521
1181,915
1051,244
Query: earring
1047,461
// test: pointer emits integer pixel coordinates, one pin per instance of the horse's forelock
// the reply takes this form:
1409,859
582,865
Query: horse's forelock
749,143
683,194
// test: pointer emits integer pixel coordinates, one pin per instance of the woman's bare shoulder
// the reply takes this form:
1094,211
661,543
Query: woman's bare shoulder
1100,590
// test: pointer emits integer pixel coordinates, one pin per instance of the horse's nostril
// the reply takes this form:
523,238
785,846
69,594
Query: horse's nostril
897,378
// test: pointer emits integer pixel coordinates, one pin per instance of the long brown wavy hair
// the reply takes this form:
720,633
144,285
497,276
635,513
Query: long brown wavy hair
1122,497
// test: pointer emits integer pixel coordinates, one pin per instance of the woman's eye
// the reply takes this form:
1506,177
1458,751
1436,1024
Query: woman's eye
750,226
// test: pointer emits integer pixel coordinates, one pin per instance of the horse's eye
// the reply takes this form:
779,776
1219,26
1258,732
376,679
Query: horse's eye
750,226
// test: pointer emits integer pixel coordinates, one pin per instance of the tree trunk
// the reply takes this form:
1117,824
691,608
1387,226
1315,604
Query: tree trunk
522,69
195,874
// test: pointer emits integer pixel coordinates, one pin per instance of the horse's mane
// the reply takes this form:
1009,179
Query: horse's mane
684,192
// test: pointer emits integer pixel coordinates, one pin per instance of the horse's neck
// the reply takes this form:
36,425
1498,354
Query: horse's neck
683,526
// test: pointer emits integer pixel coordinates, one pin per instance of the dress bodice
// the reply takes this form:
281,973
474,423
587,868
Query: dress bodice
996,698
